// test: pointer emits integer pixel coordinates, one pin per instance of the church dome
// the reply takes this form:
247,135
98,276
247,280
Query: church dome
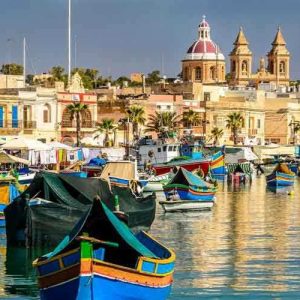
204,48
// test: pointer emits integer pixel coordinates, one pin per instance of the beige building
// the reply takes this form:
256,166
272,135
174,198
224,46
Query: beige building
204,62
11,81
277,71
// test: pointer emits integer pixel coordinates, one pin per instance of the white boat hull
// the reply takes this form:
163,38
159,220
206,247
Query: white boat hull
153,187
184,205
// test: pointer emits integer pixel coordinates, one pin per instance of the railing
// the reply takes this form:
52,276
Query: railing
84,124
252,131
10,124
29,124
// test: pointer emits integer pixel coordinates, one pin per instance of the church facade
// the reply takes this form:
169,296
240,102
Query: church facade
205,63
276,72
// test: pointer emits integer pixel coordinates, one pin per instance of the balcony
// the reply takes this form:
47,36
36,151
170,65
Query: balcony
85,124
10,126
252,131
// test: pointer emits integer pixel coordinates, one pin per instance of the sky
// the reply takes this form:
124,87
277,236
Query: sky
119,37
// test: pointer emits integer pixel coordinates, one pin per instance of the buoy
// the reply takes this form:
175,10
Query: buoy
291,193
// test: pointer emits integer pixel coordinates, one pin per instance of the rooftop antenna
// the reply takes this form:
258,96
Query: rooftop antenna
69,44
75,52
24,61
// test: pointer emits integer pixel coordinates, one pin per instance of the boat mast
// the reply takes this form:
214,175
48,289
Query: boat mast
24,61
69,44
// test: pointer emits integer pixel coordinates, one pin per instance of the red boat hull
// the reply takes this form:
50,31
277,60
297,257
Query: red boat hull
163,169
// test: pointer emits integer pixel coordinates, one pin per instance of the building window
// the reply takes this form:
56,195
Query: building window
47,113
271,67
282,67
206,96
186,73
198,73
244,67
258,123
212,73
158,149
233,66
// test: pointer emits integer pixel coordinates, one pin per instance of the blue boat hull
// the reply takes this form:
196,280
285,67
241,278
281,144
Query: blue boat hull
125,182
102,288
280,179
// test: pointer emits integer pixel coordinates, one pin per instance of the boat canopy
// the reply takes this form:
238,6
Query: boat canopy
100,223
240,167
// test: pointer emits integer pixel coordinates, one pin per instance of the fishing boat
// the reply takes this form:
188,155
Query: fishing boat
217,167
156,183
102,259
9,190
188,164
62,200
281,176
123,174
187,191
239,172
183,205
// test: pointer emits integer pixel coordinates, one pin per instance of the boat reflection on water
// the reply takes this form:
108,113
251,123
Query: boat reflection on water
248,248
20,278
289,190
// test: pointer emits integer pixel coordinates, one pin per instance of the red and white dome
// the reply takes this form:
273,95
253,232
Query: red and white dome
204,48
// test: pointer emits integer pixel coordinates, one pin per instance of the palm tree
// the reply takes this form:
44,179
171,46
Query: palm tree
75,110
107,126
216,134
136,116
191,118
234,122
163,122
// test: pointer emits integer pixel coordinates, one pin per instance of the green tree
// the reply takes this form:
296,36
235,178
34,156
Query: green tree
58,73
136,115
29,79
12,69
191,118
75,110
106,126
235,122
153,77
216,134
163,122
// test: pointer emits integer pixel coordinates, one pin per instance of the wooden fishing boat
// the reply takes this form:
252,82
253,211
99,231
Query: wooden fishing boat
239,172
188,164
67,198
217,167
188,186
184,205
102,259
281,176
156,183
9,190
123,182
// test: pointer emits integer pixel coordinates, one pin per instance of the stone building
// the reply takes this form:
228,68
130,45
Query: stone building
277,71
204,62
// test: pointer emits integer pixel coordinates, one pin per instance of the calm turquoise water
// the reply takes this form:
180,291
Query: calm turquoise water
247,247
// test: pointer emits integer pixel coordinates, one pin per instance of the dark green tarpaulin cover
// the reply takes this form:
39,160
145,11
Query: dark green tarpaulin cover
123,234
68,198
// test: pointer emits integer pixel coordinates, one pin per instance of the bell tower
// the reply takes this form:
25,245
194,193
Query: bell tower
279,60
240,60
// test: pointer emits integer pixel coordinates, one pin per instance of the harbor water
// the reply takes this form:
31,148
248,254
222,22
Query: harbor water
247,247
